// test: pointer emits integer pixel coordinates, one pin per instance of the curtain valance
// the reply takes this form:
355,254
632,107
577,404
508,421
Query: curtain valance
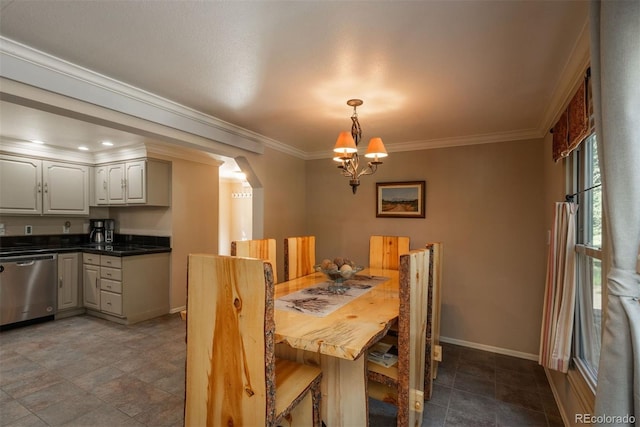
573,125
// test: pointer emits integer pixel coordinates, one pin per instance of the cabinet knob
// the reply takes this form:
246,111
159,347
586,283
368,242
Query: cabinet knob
60,282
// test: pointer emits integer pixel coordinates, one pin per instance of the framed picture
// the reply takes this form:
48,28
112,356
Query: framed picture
400,199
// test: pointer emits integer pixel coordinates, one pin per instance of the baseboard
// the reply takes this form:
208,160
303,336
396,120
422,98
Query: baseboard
490,348
556,397
177,309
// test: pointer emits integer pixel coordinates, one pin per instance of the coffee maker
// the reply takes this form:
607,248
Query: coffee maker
96,233
109,230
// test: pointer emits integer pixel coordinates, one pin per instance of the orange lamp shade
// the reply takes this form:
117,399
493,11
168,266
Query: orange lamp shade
345,144
376,149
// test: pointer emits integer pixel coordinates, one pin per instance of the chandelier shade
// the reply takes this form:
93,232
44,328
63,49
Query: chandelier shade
376,149
345,144
346,150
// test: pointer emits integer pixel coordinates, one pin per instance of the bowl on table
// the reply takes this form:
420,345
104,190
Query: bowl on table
338,271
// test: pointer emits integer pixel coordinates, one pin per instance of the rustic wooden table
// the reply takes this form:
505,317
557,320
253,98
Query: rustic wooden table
338,342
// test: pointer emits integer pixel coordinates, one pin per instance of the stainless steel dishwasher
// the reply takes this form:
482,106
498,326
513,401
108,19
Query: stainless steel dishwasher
27,287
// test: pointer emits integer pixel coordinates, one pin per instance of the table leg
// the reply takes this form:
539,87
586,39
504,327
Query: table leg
344,392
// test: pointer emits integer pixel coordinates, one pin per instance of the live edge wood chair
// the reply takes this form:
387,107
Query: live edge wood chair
258,248
403,383
385,251
232,375
433,348
299,256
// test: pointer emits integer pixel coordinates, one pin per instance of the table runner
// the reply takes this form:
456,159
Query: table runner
318,301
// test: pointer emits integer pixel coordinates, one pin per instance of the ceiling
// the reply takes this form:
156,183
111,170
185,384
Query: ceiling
428,71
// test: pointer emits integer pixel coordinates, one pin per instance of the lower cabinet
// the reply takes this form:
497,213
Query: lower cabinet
91,285
69,292
127,289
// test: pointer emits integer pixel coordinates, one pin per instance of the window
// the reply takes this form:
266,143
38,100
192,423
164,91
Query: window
589,278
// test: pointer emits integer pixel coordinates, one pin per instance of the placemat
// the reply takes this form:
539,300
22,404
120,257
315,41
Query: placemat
319,301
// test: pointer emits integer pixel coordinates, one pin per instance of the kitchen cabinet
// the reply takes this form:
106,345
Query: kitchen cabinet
129,289
68,280
36,187
137,182
111,285
91,281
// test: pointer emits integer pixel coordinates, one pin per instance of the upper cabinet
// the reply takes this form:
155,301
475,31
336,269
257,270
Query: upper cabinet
139,182
35,187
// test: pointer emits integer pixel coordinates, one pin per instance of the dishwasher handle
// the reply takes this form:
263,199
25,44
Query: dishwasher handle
25,263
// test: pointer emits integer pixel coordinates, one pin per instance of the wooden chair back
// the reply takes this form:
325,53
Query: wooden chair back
403,383
385,251
433,349
259,248
231,367
299,256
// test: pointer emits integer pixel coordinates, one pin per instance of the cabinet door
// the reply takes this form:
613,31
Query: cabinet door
101,193
65,188
91,286
20,185
136,187
115,184
68,280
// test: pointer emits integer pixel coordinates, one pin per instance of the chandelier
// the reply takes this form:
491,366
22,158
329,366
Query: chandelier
346,150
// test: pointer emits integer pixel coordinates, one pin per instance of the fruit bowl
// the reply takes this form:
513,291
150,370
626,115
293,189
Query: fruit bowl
339,275
338,271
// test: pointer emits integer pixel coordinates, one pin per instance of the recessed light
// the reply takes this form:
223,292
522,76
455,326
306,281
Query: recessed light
83,148
36,141
107,143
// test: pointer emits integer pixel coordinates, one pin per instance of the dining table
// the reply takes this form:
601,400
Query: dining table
338,341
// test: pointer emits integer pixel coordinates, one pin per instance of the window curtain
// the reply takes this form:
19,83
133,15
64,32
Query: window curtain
560,291
615,60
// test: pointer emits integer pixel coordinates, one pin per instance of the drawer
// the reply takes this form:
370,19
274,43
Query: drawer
111,303
111,286
110,273
111,261
91,259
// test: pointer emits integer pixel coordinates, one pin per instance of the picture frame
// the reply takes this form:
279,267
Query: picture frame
401,199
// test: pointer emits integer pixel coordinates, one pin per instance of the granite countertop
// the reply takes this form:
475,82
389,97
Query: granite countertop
122,247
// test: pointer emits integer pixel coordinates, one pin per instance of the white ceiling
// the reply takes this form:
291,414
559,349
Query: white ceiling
427,71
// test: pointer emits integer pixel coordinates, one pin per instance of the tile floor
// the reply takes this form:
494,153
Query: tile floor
84,371
477,388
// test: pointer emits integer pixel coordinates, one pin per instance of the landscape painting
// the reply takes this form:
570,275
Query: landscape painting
400,199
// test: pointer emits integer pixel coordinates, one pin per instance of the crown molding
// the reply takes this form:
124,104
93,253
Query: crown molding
572,74
182,153
45,152
122,154
446,142
30,66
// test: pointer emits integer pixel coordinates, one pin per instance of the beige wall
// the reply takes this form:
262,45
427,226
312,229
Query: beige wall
283,179
485,202
194,208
